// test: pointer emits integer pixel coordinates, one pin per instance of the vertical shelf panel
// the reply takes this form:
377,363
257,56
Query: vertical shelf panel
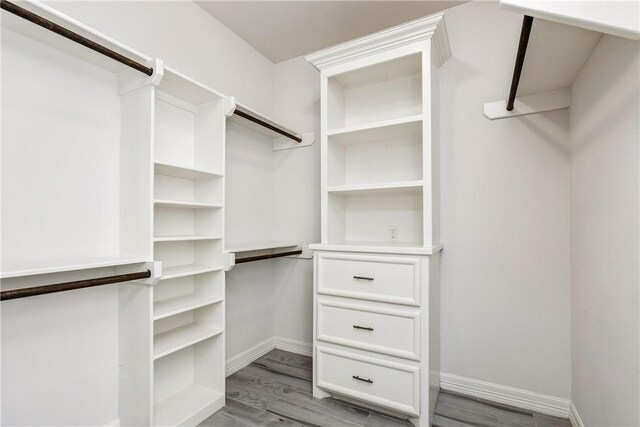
188,302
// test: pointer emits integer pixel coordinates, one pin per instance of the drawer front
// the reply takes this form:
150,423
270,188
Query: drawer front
376,278
387,384
390,331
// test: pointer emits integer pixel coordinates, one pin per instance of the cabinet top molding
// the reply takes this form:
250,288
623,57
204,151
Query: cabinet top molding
431,27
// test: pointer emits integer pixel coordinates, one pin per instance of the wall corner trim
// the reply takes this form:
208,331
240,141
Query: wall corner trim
516,397
574,417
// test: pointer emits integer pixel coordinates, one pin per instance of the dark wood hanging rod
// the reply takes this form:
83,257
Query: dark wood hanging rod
527,22
268,256
52,26
70,286
266,125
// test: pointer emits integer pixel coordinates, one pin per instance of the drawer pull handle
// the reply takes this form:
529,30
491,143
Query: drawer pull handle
355,377
364,328
363,278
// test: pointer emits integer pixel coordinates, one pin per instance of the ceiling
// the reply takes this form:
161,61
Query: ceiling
282,30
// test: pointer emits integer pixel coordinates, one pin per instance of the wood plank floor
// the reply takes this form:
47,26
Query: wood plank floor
275,390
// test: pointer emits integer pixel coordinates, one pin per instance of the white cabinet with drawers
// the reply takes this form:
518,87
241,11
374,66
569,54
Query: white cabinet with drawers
376,270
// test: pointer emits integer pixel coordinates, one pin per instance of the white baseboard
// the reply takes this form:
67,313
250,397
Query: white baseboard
245,358
516,397
293,346
574,417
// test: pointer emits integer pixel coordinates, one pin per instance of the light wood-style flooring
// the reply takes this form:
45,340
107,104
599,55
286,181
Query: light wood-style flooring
275,390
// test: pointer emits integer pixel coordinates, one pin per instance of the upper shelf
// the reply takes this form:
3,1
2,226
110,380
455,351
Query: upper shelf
555,54
378,131
37,21
260,246
282,137
71,264
615,18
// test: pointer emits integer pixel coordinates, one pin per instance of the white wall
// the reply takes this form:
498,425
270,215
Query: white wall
60,352
605,187
296,196
505,217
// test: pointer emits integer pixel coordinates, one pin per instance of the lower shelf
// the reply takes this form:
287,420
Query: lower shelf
172,306
181,337
189,406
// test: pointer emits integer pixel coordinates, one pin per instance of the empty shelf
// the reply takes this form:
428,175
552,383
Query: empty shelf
185,405
400,187
171,306
263,246
61,265
184,238
187,270
179,204
378,131
183,171
181,337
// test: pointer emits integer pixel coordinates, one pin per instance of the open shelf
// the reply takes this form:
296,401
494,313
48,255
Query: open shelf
178,204
376,131
173,306
250,247
390,188
177,171
184,238
384,91
187,270
62,265
186,404
181,337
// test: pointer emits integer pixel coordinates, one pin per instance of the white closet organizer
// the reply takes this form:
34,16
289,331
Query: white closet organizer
71,112
376,299
188,302
128,169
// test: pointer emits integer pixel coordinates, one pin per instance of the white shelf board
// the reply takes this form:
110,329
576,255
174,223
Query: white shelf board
187,270
378,131
189,406
180,86
400,188
619,19
62,265
183,171
179,204
172,306
181,337
258,128
378,247
261,246
185,238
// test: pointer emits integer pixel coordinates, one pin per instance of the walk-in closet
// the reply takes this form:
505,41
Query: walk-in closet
320,213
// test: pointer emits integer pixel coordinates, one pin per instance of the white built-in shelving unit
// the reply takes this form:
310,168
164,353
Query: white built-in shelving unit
125,173
375,155
376,287
188,223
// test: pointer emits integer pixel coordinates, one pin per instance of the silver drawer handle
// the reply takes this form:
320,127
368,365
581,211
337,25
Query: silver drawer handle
363,278
355,377
364,328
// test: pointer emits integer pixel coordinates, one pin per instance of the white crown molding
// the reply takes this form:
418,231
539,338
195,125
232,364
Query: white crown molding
431,27
545,404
